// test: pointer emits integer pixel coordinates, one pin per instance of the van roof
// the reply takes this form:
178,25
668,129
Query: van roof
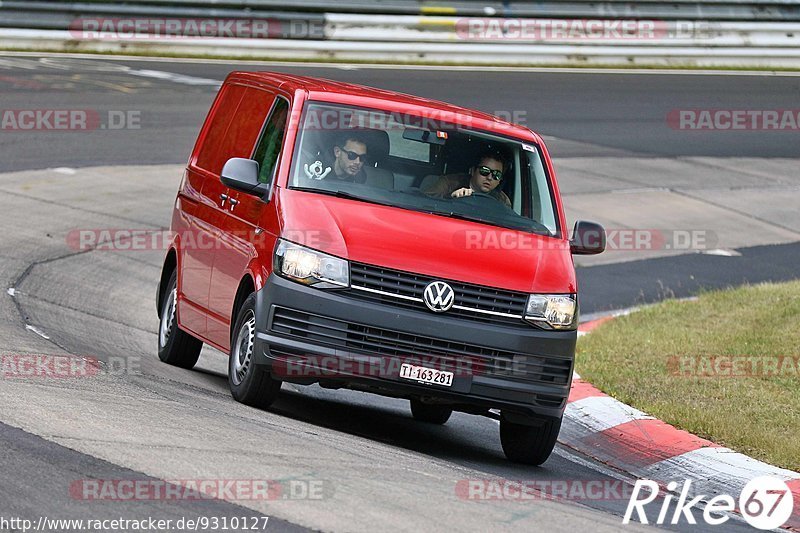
351,93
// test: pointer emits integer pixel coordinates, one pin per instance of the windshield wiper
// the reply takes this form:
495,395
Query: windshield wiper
460,216
342,194
541,230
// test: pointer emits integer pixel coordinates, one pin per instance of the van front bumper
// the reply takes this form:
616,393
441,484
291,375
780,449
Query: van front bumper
311,335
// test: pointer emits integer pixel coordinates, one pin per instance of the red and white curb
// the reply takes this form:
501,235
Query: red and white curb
629,440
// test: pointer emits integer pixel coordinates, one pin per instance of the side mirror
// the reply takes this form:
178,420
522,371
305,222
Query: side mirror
242,175
588,238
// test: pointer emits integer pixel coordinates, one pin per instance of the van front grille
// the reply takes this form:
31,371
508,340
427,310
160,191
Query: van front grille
449,355
405,289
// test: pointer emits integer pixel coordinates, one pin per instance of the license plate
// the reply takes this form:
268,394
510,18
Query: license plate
426,375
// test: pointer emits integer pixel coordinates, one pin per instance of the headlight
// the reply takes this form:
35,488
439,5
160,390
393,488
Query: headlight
558,311
310,266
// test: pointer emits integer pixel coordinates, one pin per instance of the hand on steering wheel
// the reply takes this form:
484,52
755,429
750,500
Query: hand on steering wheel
466,192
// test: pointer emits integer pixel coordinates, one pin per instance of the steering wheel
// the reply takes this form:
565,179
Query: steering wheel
482,194
480,202
476,194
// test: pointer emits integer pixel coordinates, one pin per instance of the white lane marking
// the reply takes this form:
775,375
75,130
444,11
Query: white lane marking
37,331
599,413
354,66
575,375
12,291
176,78
625,312
73,63
68,63
65,170
567,453
591,317
638,190
18,63
722,252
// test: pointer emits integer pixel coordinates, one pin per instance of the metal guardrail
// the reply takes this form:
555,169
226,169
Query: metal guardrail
343,27
383,6
433,38
731,10
422,29
64,16
468,53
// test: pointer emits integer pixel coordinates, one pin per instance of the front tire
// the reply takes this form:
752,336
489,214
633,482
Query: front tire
530,445
175,346
250,384
430,413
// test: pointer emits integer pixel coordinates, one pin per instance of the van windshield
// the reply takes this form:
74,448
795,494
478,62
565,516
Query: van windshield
422,164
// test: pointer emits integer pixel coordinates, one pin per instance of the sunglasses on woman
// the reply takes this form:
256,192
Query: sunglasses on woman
484,171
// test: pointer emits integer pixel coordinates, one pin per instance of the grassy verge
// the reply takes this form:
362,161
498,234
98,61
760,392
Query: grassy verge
421,62
724,367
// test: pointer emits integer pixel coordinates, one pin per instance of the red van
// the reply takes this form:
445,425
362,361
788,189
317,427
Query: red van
353,237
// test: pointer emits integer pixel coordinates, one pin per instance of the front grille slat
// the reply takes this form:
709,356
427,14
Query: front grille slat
376,341
393,341
477,297
391,346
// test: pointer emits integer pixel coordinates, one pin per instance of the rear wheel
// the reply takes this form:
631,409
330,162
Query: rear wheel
530,445
431,413
175,346
250,384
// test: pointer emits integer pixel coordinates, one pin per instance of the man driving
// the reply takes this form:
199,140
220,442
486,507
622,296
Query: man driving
484,177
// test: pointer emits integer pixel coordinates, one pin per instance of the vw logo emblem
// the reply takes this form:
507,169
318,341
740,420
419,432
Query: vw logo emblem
438,296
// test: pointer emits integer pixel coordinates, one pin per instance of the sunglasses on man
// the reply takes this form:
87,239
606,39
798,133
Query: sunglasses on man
364,158
484,171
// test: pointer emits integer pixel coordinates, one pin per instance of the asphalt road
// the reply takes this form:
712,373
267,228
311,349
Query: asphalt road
595,114
382,469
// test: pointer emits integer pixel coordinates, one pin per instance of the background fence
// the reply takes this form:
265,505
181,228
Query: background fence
763,33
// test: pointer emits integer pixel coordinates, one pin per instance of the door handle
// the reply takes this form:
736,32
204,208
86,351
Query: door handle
234,202
223,197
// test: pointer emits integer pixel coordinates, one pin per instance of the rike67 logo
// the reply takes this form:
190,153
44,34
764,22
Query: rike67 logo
765,503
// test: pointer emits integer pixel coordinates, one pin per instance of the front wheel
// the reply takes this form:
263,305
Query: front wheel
530,445
250,384
175,346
